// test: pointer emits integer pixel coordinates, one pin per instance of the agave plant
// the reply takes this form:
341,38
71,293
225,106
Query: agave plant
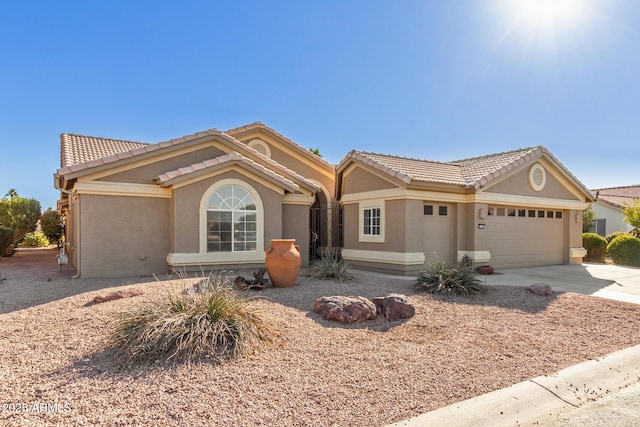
330,265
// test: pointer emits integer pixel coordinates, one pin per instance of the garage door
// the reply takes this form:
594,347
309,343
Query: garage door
438,232
519,237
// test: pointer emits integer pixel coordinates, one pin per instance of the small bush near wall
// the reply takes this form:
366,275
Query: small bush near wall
625,250
6,238
35,240
613,235
595,245
440,277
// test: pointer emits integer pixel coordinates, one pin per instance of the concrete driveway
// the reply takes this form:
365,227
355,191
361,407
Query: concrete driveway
602,280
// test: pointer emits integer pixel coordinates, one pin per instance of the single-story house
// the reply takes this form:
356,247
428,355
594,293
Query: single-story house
608,206
214,199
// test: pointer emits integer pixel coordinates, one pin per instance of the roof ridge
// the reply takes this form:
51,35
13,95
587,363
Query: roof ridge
405,157
616,188
527,149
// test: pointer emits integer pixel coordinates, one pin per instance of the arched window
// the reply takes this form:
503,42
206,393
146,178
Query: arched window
231,220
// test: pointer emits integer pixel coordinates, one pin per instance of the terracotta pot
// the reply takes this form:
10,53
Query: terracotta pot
485,269
283,262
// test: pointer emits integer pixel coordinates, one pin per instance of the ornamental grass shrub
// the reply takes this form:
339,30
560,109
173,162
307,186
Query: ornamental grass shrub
210,323
440,277
595,245
330,265
625,250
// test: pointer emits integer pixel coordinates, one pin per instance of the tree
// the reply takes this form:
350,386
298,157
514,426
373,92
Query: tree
19,214
588,219
631,212
315,151
52,226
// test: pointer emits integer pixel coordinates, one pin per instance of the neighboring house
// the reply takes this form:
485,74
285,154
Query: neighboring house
213,200
208,200
513,209
608,207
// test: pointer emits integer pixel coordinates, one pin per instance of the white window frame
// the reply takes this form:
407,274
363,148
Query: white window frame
368,206
204,202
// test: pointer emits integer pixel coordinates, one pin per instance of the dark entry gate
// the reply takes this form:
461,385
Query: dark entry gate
325,227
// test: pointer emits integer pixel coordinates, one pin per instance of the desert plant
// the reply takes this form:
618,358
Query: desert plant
330,265
625,250
631,212
213,323
6,239
613,235
595,245
440,277
37,239
52,226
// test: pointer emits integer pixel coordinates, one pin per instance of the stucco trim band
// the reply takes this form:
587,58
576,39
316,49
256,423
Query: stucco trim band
577,252
215,258
476,256
105,188
403,258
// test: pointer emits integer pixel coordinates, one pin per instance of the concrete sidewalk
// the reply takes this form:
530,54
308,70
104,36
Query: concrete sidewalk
604,391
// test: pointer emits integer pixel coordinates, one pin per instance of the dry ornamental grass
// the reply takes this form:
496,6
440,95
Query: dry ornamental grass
57,368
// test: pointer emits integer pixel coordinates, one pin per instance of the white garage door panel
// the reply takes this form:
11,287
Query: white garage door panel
523,242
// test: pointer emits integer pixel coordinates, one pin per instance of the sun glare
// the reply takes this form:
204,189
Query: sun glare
549,12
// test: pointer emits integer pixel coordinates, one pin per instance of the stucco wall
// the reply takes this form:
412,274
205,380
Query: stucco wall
518,184
615,219
146,174
359,180
123,236
295,225
187,211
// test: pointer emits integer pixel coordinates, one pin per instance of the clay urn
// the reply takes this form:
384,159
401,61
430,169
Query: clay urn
283,262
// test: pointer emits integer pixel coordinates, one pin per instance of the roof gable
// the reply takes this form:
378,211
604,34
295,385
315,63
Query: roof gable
77,149
473,173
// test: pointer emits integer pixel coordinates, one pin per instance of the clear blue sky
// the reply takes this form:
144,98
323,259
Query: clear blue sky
432,79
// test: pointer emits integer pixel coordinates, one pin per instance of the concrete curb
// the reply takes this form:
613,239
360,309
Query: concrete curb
541,398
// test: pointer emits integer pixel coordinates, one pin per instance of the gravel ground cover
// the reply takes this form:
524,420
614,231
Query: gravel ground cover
56,369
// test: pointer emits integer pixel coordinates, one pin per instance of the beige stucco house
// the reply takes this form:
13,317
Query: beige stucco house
513,209
608,206
214,199
208,200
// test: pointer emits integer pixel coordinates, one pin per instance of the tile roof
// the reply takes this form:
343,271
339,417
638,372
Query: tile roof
231,158
136,149
78,149
617,196
475,172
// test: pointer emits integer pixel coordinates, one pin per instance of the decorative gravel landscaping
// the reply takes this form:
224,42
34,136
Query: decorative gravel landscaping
56,368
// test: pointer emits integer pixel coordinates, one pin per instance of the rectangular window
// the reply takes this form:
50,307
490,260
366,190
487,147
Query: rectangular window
540,214
549,214
511,212
531,213
371,223
559,214
522,213
219,226
442,210
491,211
500,211
428,209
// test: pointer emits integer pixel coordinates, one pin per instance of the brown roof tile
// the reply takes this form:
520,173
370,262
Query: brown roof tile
78,149
617,196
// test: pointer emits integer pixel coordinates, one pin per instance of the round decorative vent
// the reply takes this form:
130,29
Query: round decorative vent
260,146
537,177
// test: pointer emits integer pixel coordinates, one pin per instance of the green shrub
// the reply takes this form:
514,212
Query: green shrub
6,239
52,226
214,323
440,277
613,235
37,239
330,265
625,250
595,245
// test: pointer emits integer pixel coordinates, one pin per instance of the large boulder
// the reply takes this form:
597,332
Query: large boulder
394,307
345,309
